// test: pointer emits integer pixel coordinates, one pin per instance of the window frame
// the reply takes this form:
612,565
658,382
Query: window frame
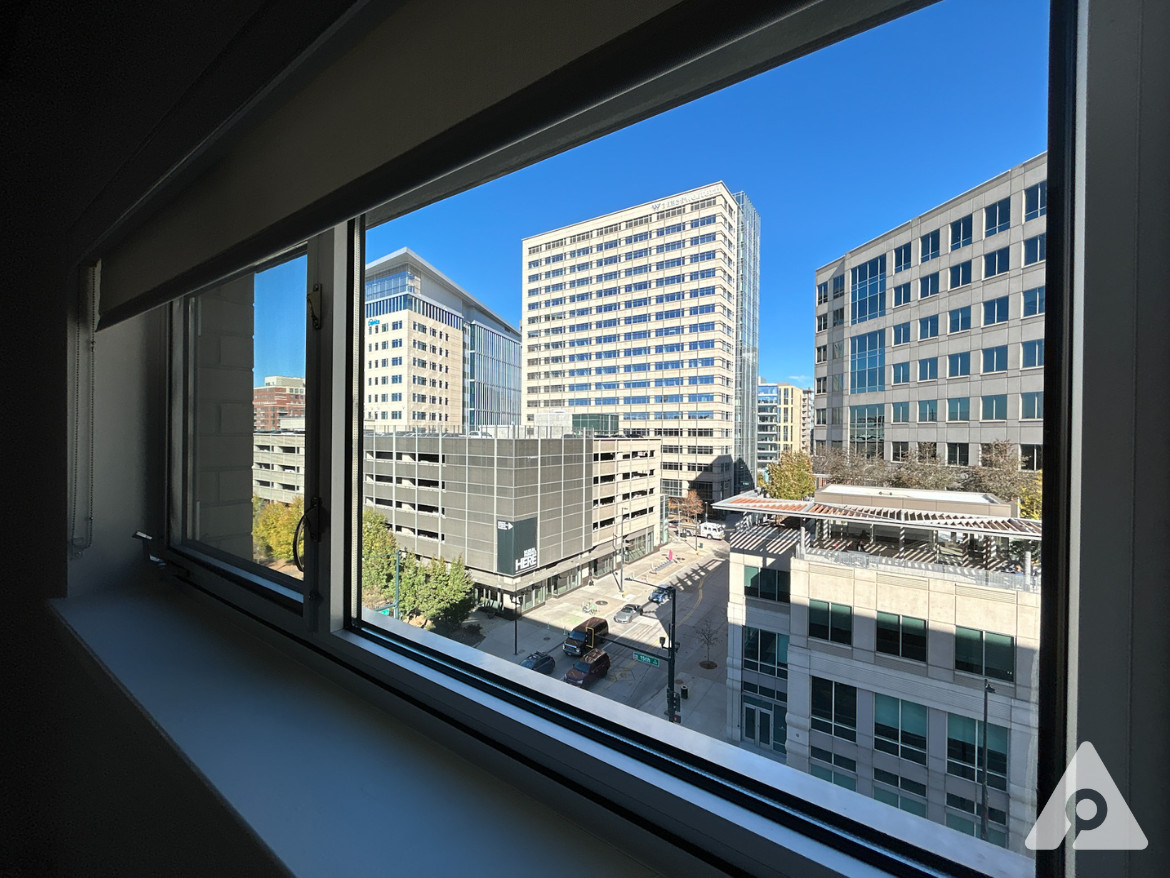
354,242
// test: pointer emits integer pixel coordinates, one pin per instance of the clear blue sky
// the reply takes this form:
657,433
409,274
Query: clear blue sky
833,149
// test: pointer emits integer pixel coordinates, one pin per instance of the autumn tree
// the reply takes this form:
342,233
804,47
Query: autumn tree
692,506
791,477
920,468
851,469
1030,498
998,472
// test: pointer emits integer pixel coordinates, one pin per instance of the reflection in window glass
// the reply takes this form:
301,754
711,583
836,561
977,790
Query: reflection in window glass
248,416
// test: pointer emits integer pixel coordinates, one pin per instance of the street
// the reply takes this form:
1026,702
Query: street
700,577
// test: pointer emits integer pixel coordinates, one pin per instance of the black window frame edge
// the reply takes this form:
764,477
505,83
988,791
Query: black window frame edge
1065,27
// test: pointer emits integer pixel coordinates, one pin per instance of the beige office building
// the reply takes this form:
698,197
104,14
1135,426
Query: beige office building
932,335
650,314
780,412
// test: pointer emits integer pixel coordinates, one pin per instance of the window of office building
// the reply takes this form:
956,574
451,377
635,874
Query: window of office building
766,583
834,708
995,359
867,429
961,232
899,728
995,311
958,453
928,327
900,412
836,768
828,621
928,285
1033,301
1032,457
901,258
997,217
902,294
985,653
868,290
899,792
822,293
900,451
928,246
765,652
959,319
901,373
995,407
867,362
959,409
901,333
995,263
903,636
959,365
965,744
1036,201
1032,353
928,369
927,411
1032,405
1035,249
960,274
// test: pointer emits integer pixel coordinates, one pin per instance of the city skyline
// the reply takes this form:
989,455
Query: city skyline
796,140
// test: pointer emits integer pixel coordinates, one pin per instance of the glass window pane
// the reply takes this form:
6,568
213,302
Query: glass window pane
968,650
999,656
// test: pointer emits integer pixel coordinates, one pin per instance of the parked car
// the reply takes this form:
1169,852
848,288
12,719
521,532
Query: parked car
660,595
586,636
541,662
627,613
588,669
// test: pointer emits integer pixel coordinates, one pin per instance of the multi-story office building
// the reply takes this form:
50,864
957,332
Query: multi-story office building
933,334
863,626
435,357
806,419
280,397
531,517
650,313
780,412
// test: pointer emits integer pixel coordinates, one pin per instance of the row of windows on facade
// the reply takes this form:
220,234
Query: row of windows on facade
977,652
632,255
957,320
640,302
416,344
997,219
395,325
676,381
637,286
869,298
636,222
867,372
421,306
373,415
674,415
671,314
993,407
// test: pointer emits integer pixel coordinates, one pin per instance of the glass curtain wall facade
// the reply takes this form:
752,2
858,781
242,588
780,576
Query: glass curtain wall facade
747,345
491,391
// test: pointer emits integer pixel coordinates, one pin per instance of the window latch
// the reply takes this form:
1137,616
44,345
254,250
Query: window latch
314,298
310,521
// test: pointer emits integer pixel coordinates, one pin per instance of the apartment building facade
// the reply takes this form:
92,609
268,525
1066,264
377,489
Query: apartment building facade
436,358
930,338
780,419
278,398
650,313
863,626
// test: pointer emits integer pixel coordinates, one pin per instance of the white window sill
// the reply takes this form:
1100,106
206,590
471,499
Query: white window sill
320,773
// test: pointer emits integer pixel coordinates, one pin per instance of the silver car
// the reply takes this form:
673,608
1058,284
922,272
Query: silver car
627,613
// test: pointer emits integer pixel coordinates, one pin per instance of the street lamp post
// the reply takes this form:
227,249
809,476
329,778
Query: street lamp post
987,690
672,703
517,599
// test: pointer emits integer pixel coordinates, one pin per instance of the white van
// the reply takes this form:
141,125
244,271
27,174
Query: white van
711,530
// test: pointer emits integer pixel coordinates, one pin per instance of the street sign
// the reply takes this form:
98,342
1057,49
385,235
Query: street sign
646,659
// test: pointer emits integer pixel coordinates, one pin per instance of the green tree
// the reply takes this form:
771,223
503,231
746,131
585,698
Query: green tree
275,526
791,477
446,594
378,548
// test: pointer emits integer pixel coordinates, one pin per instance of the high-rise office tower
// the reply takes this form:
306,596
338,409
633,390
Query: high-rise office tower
436,358
932,335
650,314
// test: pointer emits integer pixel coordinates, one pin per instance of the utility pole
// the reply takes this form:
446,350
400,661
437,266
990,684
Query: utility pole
396,555
987,690
672,701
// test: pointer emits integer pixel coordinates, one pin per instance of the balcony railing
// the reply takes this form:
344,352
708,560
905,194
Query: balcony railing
910,560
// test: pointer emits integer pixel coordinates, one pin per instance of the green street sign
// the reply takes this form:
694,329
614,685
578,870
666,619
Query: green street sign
646,659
